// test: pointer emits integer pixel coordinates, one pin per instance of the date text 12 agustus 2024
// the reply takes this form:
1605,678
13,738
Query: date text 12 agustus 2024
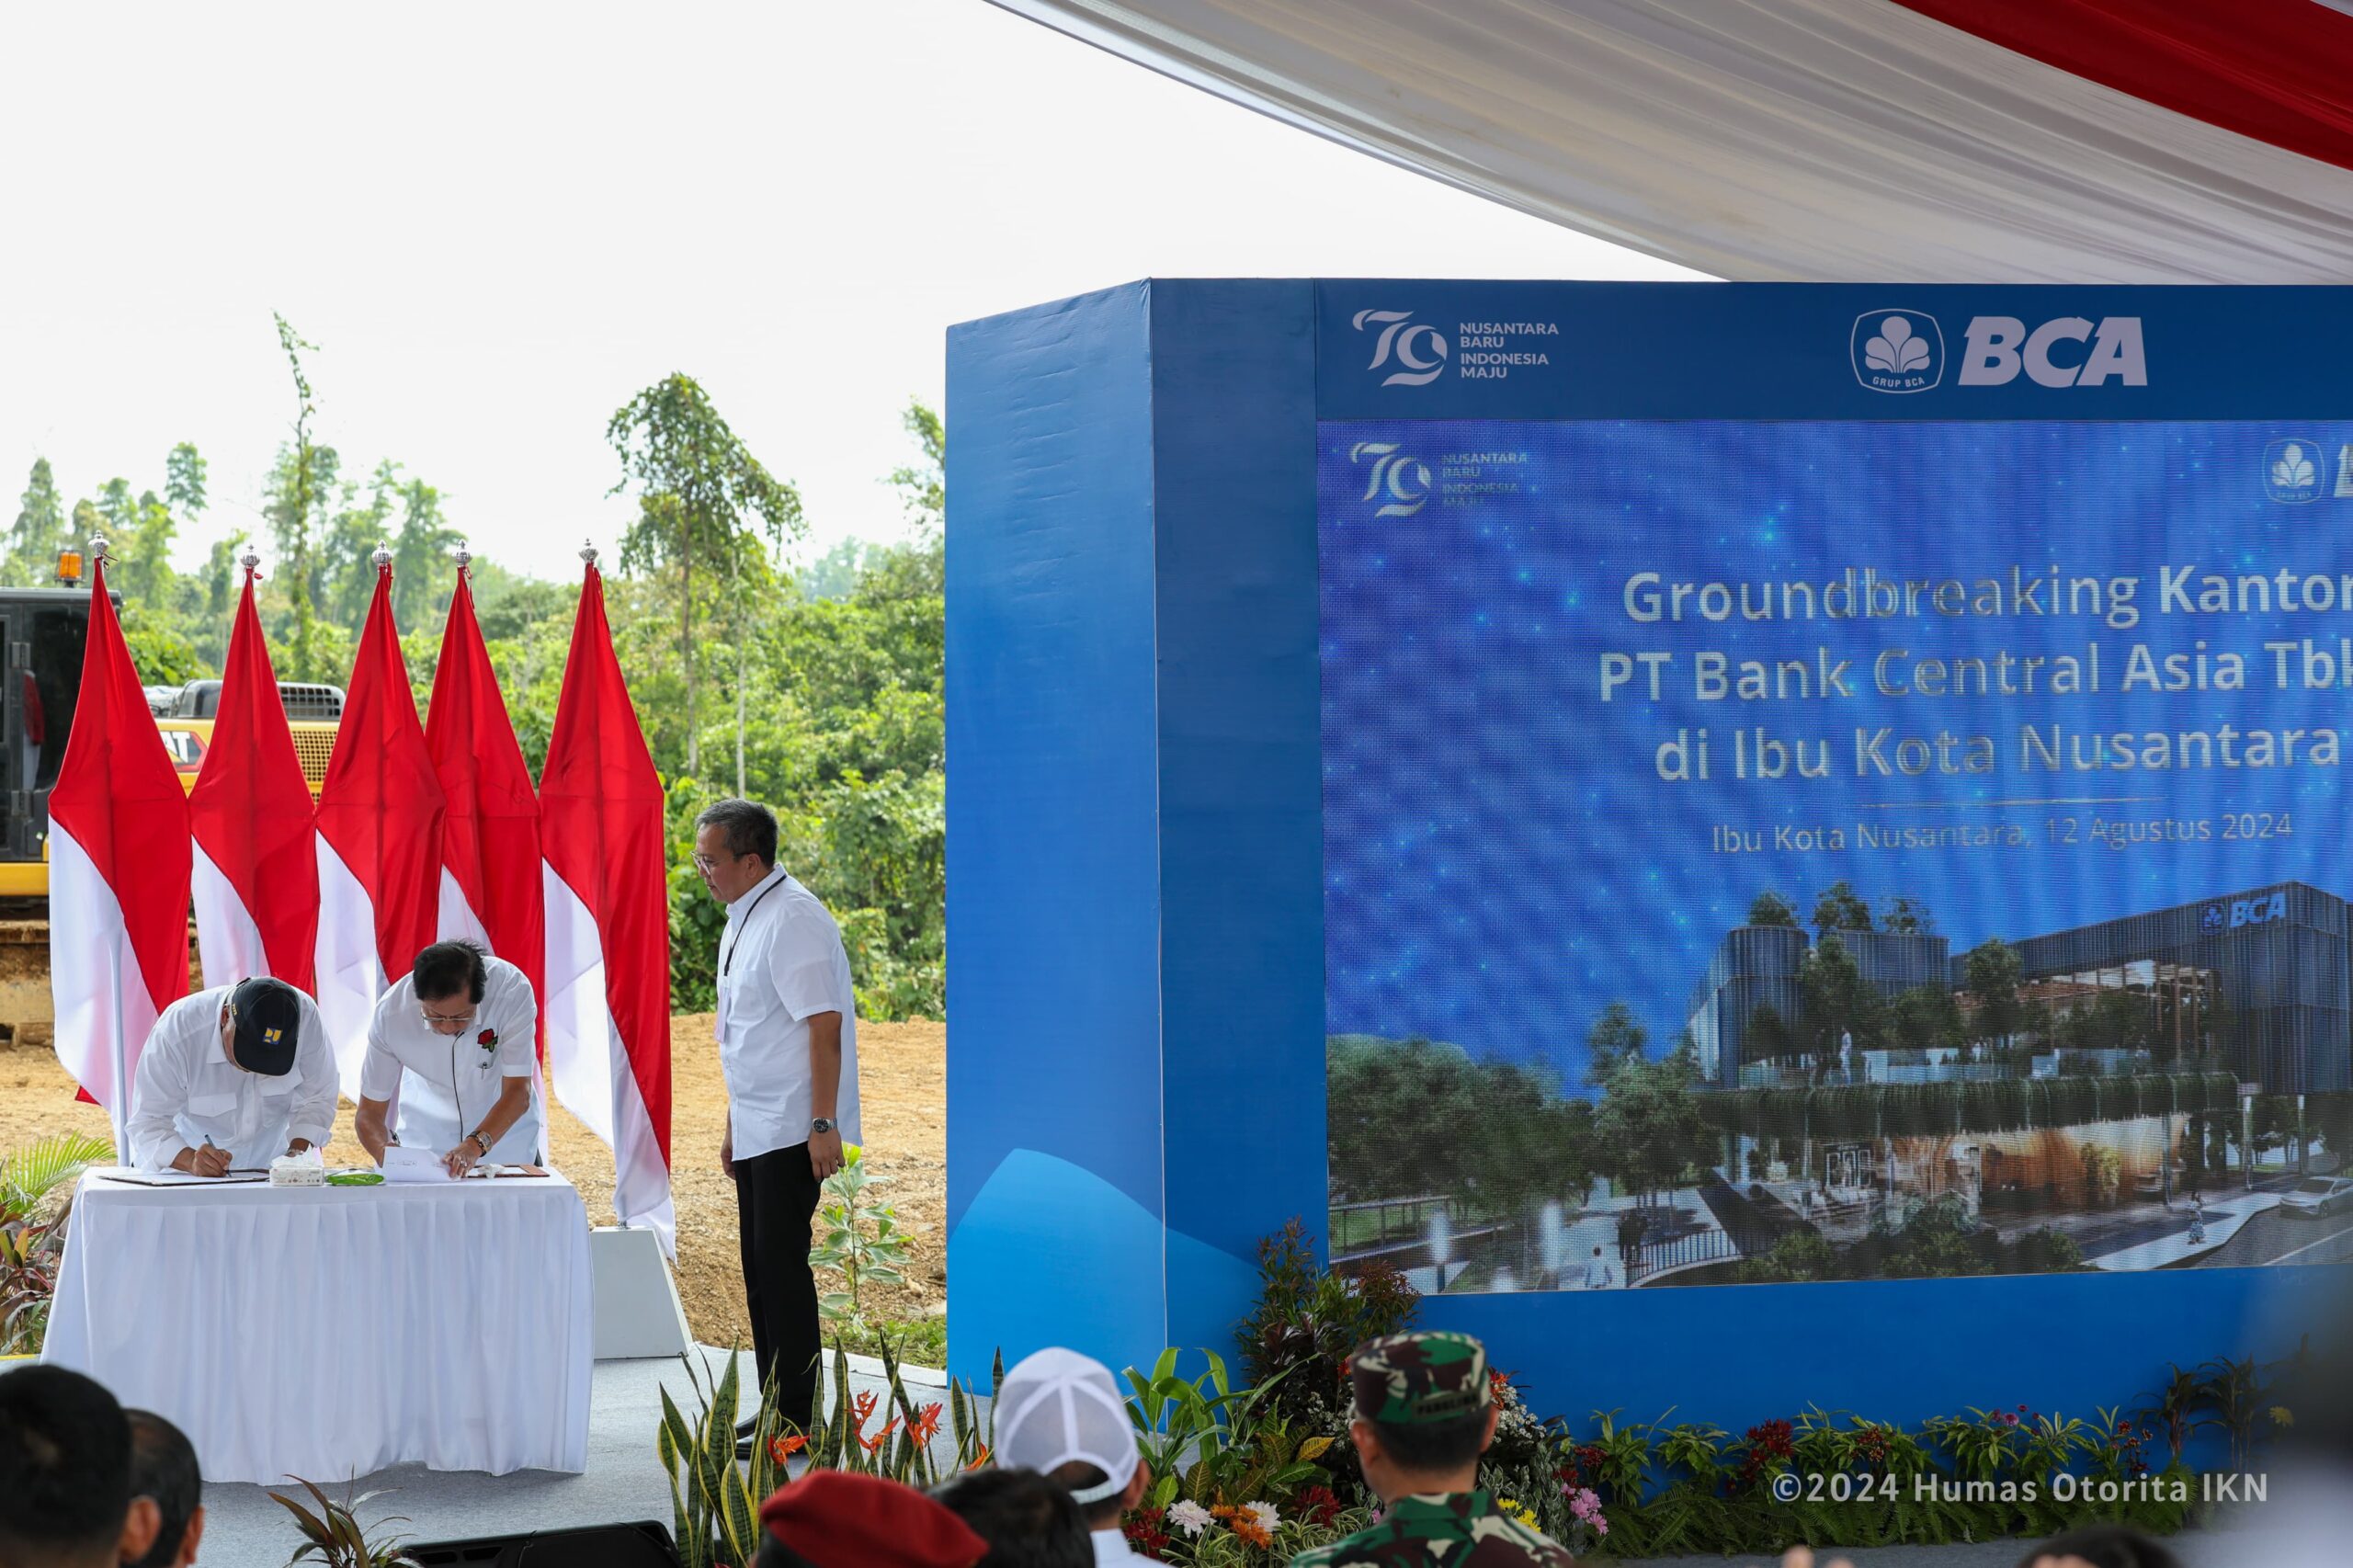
2127,832
2100,830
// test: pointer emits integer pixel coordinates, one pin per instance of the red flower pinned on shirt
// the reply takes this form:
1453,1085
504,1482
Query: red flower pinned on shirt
487,1040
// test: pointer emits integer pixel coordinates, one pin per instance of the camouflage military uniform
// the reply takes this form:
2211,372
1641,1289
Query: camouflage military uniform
1409,1380
1460,1529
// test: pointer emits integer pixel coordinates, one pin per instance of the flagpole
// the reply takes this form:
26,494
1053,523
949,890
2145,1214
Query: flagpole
118,1046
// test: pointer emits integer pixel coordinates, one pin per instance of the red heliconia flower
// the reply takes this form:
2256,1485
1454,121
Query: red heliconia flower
783,1448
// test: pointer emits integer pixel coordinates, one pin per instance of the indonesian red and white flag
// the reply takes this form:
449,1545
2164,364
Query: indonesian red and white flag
118,871
608,1003
379,841
256,877
489,889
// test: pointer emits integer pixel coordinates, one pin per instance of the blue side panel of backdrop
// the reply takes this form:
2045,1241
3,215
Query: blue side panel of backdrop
1135,950
1240,793
1054,1194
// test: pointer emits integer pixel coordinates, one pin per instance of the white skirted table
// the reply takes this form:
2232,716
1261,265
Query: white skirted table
330,1332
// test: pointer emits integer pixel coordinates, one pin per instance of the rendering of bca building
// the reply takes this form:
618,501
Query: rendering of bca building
2266,974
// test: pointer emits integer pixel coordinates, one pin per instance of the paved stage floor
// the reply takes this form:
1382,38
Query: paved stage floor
624,1480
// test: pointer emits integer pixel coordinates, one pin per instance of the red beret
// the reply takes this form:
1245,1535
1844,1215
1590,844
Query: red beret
837,1519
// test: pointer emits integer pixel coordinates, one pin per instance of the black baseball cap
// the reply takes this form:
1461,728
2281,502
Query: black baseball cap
264,1016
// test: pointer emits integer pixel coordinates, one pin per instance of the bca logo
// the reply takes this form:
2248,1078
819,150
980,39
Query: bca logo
1417,348
2072,351
2260,910
1898,351
2212,919
1400,483
2291,471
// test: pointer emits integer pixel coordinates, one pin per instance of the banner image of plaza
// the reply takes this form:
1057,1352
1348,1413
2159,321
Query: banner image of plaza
1846,1096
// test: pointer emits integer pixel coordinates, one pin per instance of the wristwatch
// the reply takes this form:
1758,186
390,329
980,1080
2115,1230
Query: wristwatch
481,1142
823,1124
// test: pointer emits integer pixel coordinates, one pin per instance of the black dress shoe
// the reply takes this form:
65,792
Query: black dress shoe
743,1429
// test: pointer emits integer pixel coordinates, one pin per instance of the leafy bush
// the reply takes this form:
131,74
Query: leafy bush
333,1537
861,1240
1799,1256
1308,1319
32,1242
715,1495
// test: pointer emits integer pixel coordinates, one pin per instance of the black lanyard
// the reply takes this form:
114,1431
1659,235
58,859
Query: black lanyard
727,960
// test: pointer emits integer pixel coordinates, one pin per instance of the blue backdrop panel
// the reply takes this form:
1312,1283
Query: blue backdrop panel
1139,668
1233,465
1055,1197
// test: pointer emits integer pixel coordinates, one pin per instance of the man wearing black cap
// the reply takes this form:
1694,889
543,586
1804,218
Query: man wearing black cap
232,1078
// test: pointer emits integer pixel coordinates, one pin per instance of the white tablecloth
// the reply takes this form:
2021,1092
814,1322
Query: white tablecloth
327,1333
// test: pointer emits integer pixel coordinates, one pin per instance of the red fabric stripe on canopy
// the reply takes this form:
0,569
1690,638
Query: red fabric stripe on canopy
2281,71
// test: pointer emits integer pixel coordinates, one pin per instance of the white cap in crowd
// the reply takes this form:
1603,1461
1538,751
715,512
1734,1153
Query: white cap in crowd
1059,1406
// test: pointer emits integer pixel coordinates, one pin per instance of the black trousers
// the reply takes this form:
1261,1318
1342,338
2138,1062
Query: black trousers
775,1196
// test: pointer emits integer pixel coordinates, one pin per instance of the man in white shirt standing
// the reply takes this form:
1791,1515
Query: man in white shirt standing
452,1039
788,1048
233,1077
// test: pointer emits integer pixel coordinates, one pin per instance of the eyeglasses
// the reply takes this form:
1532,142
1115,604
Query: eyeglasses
708,863
447,1023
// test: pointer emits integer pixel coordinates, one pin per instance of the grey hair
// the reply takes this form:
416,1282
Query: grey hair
750,827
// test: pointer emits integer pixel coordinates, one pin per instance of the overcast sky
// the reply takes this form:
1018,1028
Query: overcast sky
499,221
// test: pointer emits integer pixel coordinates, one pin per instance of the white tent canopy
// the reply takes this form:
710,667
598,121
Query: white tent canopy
1798,139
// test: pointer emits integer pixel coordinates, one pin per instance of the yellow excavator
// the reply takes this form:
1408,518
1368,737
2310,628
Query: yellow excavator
42,631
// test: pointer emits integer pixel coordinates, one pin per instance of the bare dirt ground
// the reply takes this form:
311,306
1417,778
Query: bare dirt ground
903,1097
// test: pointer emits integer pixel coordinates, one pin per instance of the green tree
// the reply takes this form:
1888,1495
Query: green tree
2330,1116
89,523
424,574
292,508
1769,1037
1532,1147
116,506
39,530
1840,908
142,542
184,473
834,574
923,484
1992,975
225,579
1926,1017
1838,1003
1383,1096
1616,1037
1649,1127
703,501
1908,915
357,520
1769,908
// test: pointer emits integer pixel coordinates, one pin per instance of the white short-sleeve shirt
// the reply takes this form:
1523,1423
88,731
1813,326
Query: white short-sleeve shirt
781,961
187,1091
447,1084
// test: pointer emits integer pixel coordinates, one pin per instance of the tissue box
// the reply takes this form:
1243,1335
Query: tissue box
306,1169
